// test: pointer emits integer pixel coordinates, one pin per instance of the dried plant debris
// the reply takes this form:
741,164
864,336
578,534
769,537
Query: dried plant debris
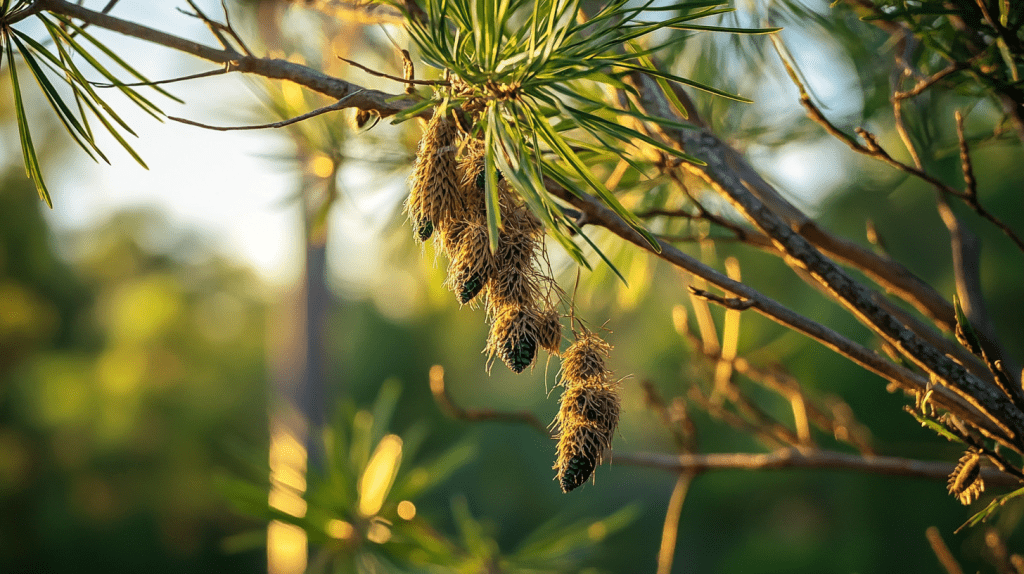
434,198
965,482
588,412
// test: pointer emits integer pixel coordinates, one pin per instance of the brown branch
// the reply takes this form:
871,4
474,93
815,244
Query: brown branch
910,321
794,459
338,105
596,213
670,530
984,395
894,277
383,103
445,402
872,148
373,72
970,196
930,81
966,258
196,76
683,431
946,559
728,302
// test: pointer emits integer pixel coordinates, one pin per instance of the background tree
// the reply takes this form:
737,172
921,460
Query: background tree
599,142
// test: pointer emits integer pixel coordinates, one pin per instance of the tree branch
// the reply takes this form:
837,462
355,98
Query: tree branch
440,392
728,173
596,213
383,103
984,395
793,458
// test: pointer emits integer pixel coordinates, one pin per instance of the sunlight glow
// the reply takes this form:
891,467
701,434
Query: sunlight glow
378,532
321,166
286,543
286,548
379,475
406,510
340,529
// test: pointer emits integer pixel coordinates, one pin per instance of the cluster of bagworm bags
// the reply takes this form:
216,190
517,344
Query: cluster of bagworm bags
447,202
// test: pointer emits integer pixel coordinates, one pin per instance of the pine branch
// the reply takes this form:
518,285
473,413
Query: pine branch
859,300
383,103
793,458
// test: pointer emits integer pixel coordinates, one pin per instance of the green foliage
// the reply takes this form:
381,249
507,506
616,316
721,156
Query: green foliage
53,67
990,509
530,76
121,371
361,507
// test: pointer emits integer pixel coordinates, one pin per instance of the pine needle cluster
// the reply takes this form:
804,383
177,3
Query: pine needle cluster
447,202
588,411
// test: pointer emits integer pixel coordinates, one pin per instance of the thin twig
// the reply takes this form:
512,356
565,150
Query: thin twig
231,29
670,530
383,103
970,183
409,72
597,213
214,28
206,74
966,257
855,296
870,147
338,105
930,81
946,559
445,402
792,458
736,303
395,78
970,196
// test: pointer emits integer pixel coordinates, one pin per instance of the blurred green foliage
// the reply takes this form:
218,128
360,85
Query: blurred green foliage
122,369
